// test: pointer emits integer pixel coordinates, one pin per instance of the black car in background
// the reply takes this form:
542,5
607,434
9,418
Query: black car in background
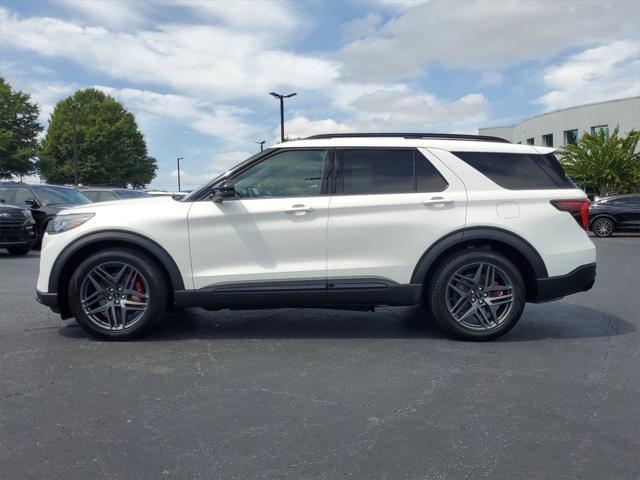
104,194
620,213
17,229
43,200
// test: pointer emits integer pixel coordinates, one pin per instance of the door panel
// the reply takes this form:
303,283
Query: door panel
254,240
279,233
384,235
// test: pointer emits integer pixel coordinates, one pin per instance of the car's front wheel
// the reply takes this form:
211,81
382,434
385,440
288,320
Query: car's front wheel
602,227
477,295
118,294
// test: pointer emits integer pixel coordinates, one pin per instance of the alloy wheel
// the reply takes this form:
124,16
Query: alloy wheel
602,227
479,296
114,295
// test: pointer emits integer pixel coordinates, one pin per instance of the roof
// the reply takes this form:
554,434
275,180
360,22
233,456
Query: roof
402,140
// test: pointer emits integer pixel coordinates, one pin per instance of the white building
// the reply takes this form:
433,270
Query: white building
561,127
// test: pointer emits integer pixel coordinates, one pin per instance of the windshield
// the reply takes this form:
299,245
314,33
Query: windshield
197,192
53,195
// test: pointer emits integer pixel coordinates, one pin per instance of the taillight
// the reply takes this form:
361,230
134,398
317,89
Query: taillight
579,209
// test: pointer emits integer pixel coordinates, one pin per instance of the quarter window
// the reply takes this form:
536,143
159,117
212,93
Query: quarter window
293,173
379,171
519,171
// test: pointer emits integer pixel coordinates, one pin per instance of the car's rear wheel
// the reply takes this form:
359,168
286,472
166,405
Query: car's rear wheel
602,227
19,249
118,294
477,295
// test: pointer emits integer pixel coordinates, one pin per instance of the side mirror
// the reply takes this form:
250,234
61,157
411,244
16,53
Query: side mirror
223,192
31,202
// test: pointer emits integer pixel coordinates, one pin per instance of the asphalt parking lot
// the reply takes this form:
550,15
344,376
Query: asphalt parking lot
325,394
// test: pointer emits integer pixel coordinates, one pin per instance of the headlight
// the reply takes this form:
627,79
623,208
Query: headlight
65,222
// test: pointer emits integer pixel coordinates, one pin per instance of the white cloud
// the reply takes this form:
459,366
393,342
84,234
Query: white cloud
483,34
272,18
596,74
361,27
211,61
117,14
223,121
491,78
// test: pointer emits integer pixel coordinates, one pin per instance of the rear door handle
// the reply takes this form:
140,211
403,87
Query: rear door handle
438,202
299,209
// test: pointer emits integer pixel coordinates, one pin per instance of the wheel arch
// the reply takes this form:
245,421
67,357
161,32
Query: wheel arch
67,261
514,247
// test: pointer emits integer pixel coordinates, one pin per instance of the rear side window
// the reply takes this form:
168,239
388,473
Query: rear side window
380,171
519,171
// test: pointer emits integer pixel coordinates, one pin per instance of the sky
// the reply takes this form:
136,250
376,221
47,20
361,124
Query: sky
197,74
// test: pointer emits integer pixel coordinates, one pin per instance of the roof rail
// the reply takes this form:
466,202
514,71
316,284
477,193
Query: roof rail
435,136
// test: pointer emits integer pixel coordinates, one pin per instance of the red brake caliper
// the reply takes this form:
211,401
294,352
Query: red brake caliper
137,286
496,293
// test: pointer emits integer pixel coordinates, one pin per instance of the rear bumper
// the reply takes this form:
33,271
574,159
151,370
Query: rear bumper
579,280
48,299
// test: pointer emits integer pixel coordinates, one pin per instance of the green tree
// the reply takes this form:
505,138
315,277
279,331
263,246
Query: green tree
608,164
19,129
110,148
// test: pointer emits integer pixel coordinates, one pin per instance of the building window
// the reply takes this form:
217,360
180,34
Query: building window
529,141
600,128
547,140
570,137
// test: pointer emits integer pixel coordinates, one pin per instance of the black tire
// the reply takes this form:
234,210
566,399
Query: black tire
152,285
440,295
602,227
19,249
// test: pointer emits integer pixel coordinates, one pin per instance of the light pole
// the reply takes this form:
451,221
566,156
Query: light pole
261,144
281,98
74,109
178,160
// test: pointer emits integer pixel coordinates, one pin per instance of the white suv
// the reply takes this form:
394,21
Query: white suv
472,227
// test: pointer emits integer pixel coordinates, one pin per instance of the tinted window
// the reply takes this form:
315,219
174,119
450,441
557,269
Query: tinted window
519,171
428,179
377,171
16,195
126,193
294,173
60,195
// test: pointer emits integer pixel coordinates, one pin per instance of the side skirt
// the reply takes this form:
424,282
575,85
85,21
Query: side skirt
352,293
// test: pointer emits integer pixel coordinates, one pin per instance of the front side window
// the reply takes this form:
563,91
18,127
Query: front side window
15,196
60,195
380,171
293,173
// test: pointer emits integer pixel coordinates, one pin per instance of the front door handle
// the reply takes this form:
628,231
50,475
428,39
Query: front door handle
299,209
438,202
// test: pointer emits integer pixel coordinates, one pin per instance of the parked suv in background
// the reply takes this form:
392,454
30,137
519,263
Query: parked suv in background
103,194
17,229
620,213
43,200
472,227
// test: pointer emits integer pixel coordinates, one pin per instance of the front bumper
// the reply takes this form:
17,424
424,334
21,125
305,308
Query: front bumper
17,236
48,299
579,280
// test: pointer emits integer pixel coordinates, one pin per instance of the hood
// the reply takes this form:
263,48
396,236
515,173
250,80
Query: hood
126,204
